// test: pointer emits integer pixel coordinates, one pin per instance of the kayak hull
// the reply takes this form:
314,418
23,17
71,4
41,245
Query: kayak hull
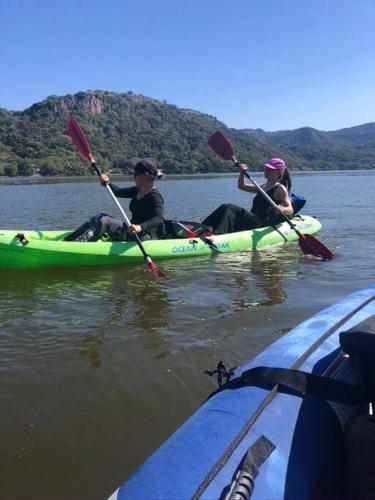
200,459
47,248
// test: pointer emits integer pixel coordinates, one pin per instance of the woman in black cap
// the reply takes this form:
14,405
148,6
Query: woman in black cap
146,206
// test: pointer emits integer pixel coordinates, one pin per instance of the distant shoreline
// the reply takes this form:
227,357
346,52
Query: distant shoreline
34,179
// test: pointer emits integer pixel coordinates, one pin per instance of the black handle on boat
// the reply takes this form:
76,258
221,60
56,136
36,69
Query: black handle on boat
243,484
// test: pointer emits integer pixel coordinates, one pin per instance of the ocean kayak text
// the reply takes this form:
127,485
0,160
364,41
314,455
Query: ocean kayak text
193,248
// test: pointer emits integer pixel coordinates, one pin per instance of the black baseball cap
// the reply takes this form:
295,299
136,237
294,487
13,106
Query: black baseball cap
146,165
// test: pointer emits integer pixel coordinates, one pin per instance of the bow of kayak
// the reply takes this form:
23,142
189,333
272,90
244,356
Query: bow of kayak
295,442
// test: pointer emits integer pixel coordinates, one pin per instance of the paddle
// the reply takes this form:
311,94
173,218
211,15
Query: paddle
308,244
79,140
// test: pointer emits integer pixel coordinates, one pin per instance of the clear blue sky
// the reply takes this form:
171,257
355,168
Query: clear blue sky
272,64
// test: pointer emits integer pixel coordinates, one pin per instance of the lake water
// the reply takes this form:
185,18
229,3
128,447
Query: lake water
99,365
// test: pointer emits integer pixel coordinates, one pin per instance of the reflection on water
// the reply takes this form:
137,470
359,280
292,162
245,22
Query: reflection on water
56,306
68,309
138,306
268,273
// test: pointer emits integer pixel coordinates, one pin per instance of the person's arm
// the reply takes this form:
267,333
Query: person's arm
127,192
284,204
250,188
123,192
157,209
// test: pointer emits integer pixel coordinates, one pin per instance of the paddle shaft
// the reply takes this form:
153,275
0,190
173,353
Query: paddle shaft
126,218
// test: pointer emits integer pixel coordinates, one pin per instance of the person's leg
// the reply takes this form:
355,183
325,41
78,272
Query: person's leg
245,220
214,217
96,226
223,219
88,231
113,227
360,463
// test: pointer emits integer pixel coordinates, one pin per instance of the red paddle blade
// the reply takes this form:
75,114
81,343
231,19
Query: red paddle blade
156,271
221,146
78,138
311,246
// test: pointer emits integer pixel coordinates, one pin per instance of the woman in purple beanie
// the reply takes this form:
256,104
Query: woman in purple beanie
229,218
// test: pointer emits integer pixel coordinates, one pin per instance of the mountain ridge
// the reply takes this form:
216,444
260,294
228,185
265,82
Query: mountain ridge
123,127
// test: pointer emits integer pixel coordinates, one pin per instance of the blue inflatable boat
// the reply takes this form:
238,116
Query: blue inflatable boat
295,440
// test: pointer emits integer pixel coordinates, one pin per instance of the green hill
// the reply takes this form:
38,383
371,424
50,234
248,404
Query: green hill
121,128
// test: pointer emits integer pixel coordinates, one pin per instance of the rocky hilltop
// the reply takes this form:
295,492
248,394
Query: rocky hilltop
121,128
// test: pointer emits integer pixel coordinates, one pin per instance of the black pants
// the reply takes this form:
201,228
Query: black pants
355,480
114,229
360,462
229,218
96,226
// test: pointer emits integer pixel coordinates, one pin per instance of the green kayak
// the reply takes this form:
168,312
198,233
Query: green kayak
33,249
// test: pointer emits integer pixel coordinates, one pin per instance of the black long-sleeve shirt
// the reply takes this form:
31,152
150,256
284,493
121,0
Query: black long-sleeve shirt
146,212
